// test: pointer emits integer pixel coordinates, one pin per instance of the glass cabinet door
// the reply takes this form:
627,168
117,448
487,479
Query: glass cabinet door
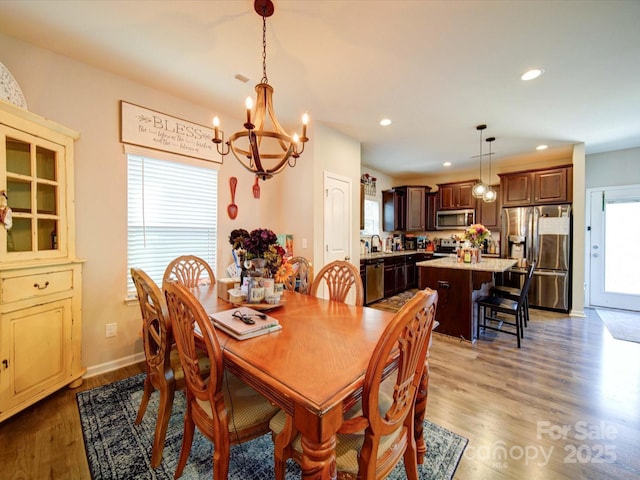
33,189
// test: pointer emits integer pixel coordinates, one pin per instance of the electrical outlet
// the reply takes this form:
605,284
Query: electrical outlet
111,330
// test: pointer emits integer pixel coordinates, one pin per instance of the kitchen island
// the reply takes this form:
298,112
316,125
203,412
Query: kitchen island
458,286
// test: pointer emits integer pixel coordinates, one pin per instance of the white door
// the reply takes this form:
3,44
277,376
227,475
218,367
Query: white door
337,218
614,260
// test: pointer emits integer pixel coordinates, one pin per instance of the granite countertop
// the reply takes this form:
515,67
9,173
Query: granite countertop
401,253
486,265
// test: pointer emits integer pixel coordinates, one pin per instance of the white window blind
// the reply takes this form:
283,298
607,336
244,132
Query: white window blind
172,211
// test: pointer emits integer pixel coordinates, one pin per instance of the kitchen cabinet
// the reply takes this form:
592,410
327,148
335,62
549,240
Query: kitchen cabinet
40,276
431,206
454,196
403,208
489,213
390,276
394,203
537,187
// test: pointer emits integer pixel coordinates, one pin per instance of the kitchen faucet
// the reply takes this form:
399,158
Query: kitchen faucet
377,247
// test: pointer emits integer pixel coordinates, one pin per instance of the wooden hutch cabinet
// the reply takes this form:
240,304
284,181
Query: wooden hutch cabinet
40,276
537,187
454,196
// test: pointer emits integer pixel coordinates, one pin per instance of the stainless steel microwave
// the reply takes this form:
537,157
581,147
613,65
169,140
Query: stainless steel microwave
455,219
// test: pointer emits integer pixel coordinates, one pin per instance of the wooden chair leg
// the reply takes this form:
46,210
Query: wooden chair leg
164,412
187,440
146,394
221,453
410,461
282,447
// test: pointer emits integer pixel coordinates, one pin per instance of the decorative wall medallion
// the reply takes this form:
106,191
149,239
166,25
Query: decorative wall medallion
9,88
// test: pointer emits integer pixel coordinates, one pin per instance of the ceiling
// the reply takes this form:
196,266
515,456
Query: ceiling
435,68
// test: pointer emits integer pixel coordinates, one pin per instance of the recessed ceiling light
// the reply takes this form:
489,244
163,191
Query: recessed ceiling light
385,121
446,164
542,147
531,74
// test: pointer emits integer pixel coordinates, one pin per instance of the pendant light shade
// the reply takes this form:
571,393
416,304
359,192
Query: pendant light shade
490,194
479,188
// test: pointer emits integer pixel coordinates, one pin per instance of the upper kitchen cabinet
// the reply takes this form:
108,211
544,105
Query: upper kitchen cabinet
536,187
430,207
455,196
403,209
489,213
394,204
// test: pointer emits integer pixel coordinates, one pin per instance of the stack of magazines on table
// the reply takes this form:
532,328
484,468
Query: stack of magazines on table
244,322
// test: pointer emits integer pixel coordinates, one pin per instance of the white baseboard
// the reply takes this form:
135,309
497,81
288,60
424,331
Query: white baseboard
114,365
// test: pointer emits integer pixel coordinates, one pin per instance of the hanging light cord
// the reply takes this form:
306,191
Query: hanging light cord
264,46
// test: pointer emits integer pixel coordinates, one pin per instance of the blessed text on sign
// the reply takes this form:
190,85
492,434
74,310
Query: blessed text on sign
148,128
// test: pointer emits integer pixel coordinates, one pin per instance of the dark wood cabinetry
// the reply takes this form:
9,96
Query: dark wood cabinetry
489,213
454,196
403,209
537,187
394,203
430,207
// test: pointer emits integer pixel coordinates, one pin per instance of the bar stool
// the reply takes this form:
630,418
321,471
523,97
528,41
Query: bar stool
513,293
506,306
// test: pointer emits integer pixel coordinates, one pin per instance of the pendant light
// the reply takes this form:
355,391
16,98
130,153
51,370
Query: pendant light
479,188
490,194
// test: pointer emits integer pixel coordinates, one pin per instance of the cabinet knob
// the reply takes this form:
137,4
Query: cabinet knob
37,285
5,363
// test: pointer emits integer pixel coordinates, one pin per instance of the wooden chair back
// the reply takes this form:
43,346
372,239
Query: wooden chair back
190,271
303,277
206,402
410,332
157,340
340,276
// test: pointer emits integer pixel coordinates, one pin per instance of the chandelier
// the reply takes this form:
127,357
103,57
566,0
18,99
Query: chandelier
479,188
261,151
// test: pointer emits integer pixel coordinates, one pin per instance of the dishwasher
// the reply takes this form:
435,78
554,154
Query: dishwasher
375,280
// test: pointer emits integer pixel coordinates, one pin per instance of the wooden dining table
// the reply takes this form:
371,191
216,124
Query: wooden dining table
313,368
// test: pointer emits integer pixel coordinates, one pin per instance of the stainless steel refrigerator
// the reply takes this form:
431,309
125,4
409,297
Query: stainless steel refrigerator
541,234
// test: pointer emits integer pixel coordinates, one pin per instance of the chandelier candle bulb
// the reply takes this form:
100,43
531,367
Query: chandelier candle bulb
216,127
305,120
249,104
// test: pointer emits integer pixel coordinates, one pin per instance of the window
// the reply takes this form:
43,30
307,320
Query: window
172,211
371,218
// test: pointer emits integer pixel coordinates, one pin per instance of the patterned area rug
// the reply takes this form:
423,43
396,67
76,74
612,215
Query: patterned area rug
393,304
622,324
119,449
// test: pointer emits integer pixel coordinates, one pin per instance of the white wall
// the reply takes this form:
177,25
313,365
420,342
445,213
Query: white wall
87,100
620,167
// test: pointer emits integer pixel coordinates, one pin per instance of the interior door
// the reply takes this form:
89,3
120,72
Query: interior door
337,219
613,258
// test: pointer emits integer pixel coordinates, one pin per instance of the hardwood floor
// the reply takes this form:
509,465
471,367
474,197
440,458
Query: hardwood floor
569,374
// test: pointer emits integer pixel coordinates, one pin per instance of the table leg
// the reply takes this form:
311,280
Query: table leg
318,438
420,410
319,459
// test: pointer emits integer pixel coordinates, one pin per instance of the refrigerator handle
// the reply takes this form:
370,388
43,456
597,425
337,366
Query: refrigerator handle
535,245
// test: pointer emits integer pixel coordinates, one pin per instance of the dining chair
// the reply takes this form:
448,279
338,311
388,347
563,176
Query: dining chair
162,363
225,409
490,307
190,271
379,430
302,279
513,293
339,276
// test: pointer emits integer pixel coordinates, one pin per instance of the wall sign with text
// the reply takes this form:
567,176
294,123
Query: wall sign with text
148,128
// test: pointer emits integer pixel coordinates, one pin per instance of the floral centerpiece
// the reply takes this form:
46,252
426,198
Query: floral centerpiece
476,234
260,243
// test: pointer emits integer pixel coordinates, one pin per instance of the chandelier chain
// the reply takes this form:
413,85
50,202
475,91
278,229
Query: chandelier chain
264,47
